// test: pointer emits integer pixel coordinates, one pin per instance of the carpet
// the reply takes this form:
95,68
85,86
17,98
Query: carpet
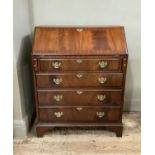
83,141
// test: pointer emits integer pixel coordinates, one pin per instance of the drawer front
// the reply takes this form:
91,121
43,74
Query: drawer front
47,65
79,97
79,114
79,80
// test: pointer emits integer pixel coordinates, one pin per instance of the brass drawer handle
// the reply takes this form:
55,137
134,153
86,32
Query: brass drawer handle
79,92
103,64
102,80
79,108
79,61
100,114
79,30
56,64
58,97
57,80
79,75
58,114
101,97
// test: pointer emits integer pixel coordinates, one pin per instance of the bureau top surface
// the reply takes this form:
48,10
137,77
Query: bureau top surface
79,41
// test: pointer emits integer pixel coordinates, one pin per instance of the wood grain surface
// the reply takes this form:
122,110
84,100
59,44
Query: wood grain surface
88,80
73,115
112,64
71,98
70,41
71,65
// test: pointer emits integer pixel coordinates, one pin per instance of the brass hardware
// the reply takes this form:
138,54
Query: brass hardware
79,30
102,79
58,97
79,61
79,75
101,97
103,64
35,66
57,80
56,64
100,114
58,114
124,64
79,92
79,108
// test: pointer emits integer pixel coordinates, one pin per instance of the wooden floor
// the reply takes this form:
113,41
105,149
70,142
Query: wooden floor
84,142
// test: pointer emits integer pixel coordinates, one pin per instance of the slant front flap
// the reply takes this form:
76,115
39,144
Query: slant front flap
79,41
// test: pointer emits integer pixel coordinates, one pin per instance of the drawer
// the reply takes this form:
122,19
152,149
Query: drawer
79,114
63,80
79,97
47,65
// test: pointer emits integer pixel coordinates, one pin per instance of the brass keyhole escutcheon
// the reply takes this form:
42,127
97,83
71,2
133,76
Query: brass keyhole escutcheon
79,108
79,61
79,92
79,75
79,29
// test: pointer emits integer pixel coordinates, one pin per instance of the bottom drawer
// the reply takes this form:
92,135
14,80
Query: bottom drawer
79,114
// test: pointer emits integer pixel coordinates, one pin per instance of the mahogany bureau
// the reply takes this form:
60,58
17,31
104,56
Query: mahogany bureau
79,77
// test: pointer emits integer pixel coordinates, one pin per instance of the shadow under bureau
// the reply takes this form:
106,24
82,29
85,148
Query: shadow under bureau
79,77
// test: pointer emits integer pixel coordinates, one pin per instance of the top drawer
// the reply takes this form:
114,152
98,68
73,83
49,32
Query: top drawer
48,65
